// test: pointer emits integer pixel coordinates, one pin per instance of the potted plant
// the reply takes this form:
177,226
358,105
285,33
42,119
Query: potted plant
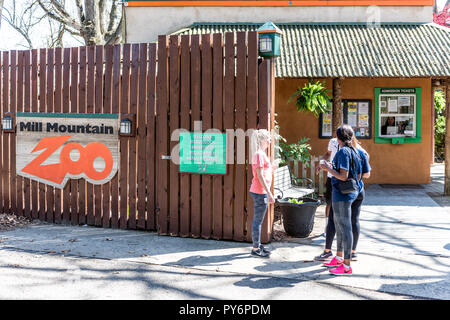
313,97
298,215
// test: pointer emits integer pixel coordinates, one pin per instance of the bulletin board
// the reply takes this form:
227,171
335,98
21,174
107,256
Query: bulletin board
325,120
358,114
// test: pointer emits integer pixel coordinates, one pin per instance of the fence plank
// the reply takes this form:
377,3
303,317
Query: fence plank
2,93
115,109
66,109
196,193
82,109
34,108
252,103
185,186
263,111
107,108
74,109
228,123
42,106
123,182
90,102
11,136
141,135
98,107
5,136
58,108
27,108
174,107
240,100
161,136
218,125
50,192
206,124
20,86
132,140
151,142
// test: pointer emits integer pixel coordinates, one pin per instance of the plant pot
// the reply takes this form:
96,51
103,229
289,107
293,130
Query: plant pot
298,219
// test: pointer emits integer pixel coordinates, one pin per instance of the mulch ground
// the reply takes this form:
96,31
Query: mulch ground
11,221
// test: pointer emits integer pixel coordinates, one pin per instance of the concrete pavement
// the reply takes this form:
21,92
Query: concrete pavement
404,253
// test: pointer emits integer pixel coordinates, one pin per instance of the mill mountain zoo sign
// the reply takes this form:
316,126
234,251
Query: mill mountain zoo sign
52,148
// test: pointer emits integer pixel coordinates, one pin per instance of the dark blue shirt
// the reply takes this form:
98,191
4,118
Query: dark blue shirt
343,160
364,164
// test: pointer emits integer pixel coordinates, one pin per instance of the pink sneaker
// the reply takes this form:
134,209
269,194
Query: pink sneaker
333,263
341,271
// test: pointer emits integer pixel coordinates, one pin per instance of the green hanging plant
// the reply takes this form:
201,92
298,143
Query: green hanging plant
313,97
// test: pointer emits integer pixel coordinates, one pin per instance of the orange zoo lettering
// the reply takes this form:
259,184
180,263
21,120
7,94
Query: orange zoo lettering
85,163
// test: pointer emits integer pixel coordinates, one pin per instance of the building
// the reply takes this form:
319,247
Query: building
380,58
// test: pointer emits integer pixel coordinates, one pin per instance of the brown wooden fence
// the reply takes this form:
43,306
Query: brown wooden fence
217,79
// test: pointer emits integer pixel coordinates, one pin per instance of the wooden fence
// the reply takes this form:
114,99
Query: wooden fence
168,85
307,170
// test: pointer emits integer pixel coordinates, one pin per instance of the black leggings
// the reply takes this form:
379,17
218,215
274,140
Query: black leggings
331,228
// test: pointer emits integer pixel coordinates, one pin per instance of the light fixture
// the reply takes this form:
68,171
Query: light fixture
269,40
8,122
127,125
265,44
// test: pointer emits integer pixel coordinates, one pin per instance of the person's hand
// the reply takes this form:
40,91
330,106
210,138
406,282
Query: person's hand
270,198
325,165
318,169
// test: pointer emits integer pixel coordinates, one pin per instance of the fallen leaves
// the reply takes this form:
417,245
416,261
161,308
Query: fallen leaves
11,221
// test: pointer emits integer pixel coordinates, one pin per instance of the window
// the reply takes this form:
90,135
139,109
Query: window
397,112
265,44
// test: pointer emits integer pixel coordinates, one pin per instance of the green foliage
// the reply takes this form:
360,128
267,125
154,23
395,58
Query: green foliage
293,200
295,151
313,97
439,127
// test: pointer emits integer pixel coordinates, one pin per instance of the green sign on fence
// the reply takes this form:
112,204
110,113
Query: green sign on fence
203,152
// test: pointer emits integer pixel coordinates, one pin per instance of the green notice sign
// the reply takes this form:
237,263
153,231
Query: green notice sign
203,152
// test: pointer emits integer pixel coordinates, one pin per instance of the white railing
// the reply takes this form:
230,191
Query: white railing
301,170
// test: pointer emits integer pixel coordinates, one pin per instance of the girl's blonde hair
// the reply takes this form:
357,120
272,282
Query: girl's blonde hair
259,136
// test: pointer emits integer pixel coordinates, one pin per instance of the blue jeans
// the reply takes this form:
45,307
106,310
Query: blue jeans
343,221
261,204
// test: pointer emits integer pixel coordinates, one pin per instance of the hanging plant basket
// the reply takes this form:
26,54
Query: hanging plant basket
313,97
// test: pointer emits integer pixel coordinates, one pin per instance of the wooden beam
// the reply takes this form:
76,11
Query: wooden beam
337,106
447,138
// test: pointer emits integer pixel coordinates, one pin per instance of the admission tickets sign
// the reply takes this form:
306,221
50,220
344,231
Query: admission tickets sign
52,148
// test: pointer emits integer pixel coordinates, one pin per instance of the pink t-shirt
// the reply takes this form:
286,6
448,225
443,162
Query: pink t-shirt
261,160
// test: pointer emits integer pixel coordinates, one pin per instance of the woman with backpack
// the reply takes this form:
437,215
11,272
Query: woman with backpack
346,171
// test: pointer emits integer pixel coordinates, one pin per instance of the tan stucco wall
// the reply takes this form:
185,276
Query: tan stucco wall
144,24
408,163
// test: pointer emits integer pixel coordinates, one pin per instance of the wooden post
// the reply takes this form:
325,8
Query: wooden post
337,107
447,138
435,84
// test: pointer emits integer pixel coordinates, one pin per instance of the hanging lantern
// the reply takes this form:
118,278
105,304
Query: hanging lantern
269,40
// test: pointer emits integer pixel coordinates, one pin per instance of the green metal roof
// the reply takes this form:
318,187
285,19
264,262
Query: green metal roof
353,50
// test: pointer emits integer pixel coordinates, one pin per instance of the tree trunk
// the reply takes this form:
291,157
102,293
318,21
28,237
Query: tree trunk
92,33
447,138
337,105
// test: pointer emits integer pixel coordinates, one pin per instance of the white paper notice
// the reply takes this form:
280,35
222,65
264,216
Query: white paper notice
392,106
363,108
403,101
352,120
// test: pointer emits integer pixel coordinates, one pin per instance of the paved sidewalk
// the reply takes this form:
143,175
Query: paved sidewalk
404,251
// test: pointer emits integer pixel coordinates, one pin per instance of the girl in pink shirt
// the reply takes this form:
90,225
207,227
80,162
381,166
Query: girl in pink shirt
262,170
